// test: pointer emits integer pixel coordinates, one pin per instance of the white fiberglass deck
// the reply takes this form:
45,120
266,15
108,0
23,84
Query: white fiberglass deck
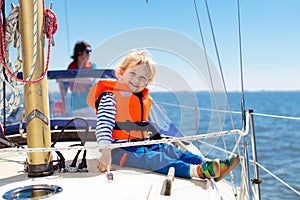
128,183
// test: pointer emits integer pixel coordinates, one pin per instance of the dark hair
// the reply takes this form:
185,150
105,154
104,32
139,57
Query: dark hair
79,48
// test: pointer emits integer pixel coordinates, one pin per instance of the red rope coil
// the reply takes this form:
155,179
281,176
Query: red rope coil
51,23
51,28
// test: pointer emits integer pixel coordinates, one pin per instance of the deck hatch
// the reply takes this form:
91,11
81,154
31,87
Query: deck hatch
33,192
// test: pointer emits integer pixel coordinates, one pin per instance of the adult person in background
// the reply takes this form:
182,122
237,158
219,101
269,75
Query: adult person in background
78,86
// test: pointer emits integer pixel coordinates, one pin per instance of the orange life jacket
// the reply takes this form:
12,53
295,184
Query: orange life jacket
130,109
74,65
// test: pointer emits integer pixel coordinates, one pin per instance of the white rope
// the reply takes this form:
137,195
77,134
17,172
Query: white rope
126,144
11,35
35,17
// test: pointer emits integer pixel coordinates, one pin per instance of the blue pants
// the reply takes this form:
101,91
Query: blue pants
158,158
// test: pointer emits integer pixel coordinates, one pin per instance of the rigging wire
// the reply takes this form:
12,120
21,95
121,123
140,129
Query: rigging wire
279,179
67,28
208,67
206,60
219,60
220,68
241,68
246,160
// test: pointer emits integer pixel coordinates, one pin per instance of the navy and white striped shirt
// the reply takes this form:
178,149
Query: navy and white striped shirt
106,118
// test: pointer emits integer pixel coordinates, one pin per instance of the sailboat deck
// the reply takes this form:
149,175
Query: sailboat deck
127,183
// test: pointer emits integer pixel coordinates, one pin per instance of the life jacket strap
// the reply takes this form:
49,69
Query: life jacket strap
138,126
131,126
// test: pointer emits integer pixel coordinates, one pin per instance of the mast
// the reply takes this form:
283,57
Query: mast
35,94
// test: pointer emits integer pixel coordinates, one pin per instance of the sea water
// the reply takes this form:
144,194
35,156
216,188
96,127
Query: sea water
277,133
278,141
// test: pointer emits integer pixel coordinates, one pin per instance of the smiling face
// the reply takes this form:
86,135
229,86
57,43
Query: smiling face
136,78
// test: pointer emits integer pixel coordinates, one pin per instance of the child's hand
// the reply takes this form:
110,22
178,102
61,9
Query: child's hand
105,160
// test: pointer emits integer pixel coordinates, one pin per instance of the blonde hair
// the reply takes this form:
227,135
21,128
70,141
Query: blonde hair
135,58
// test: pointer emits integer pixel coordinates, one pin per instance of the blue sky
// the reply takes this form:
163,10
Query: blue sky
270,34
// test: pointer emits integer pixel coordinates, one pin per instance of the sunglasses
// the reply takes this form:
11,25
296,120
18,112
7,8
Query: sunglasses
88,51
